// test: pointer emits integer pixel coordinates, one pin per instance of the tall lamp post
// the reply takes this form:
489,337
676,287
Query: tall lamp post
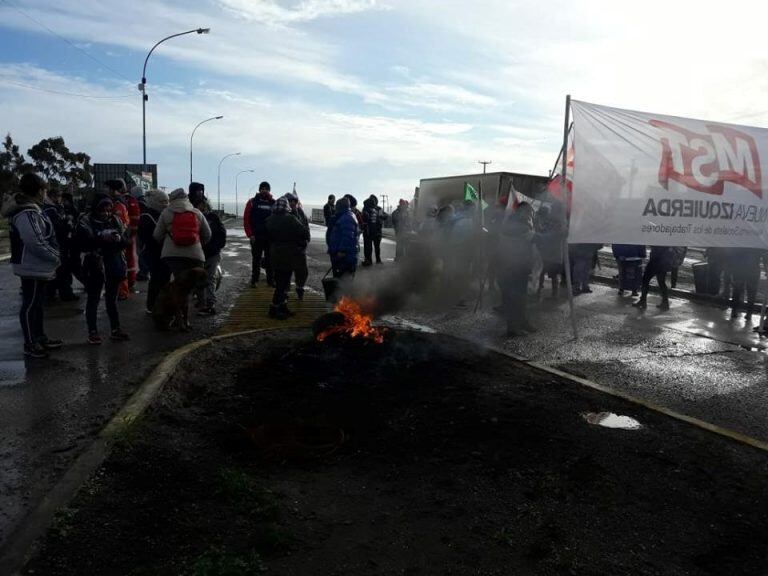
143,87
218,178
192,136
236,177
484,163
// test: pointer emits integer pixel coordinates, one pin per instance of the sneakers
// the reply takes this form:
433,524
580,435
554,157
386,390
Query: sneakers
300,294
664,306
640,304
94,338
49,344
119,336
35,351
367,263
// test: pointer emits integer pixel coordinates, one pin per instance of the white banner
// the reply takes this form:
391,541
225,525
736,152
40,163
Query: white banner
662,180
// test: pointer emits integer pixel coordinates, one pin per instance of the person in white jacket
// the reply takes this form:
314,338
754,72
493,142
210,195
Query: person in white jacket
34,258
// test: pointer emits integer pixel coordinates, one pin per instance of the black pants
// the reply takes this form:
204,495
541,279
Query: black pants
401,246
301,273
654,269
259,248
31,313
93,288
343,266
159,276
514,295
282,284
749,279
371,243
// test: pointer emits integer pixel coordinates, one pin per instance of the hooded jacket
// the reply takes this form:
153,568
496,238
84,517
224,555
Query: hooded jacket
342,237
34,248
103,256
286,240
162,233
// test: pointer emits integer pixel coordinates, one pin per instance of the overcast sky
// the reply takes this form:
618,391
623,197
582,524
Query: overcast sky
364,96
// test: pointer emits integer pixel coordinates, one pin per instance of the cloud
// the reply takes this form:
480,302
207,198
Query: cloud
326,145
431,96
272,12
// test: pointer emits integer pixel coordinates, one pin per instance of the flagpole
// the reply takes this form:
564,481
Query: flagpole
567,199
481,255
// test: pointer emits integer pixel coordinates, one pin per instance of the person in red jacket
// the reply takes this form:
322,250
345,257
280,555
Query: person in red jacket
257,210
119,193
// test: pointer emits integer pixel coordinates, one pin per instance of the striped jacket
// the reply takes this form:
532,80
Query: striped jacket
34,248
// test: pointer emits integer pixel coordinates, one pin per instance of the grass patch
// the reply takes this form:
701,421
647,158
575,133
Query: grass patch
217,561
239,487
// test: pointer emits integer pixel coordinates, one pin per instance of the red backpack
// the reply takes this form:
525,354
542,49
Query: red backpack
185,229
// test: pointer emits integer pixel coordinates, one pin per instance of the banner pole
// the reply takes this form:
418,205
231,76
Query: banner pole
567,197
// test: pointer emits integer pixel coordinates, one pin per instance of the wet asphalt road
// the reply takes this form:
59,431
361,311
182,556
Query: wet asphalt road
691,359
50,409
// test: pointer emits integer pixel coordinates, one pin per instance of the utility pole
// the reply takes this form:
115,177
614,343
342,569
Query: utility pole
484,163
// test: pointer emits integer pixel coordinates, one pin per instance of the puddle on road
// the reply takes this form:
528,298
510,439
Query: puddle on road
12,372
611,420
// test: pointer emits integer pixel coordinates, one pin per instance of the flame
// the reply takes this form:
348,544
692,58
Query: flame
357,324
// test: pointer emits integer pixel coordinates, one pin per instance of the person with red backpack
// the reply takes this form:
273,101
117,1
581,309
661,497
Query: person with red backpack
183,231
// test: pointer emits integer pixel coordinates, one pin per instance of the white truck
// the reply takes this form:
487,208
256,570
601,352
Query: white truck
438,192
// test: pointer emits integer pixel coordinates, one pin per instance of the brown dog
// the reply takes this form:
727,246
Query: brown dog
172,304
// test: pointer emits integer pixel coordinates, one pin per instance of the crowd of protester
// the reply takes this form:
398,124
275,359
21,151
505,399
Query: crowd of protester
522,248
124,236
115,238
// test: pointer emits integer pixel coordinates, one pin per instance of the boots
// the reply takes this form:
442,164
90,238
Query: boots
664,305
641,304
280,312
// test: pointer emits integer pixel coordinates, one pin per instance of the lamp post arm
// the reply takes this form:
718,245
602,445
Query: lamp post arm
144,70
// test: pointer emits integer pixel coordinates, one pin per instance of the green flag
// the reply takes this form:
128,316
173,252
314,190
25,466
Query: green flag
471,194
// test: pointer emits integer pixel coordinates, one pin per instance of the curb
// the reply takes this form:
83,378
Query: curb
20,545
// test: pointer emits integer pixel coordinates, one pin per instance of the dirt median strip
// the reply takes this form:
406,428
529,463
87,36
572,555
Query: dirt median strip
19,546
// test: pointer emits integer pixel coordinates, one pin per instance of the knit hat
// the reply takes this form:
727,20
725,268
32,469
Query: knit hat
196,192
157,199
177,194
281,205
115,185
137,191
100,200
265,185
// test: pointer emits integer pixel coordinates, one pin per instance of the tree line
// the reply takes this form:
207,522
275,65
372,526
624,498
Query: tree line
50,158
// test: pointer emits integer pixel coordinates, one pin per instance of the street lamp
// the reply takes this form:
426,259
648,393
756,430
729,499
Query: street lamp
484,163
190,141
218,177
236,177
143,87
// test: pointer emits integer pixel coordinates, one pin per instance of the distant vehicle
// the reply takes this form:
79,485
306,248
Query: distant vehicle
439,192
